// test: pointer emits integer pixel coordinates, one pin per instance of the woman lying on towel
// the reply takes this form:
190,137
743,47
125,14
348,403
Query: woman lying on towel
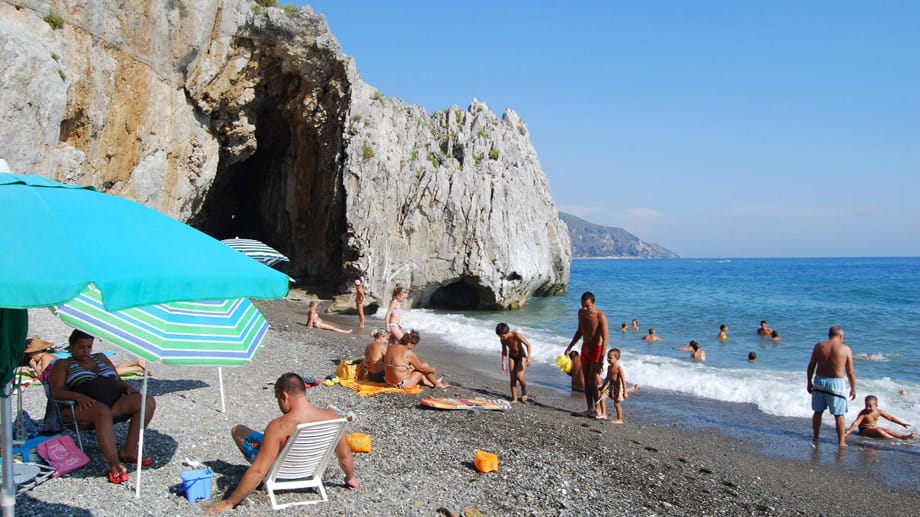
101,396
402,368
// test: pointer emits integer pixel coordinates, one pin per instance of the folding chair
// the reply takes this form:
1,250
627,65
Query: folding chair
303,460
56,409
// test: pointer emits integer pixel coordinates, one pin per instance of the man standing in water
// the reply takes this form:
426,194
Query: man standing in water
830,360
593,331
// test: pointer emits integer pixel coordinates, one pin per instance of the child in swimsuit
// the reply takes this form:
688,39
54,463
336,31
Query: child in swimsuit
868,419
614,387
517,353
394,313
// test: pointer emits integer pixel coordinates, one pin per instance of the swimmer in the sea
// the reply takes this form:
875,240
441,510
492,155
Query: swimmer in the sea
696,353
723,332
623,327
651,336
774,336
868,418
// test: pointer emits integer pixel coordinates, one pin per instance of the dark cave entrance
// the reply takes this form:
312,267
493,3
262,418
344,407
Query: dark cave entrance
288,193
463,295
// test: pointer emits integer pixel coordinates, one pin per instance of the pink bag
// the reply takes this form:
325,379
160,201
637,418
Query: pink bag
62,454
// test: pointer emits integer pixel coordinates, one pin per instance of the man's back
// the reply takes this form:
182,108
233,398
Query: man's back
831,358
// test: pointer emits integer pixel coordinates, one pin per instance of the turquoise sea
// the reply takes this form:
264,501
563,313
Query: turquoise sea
875,300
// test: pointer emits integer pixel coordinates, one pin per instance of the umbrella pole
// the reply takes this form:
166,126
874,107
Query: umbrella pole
8,495
220,381
140,438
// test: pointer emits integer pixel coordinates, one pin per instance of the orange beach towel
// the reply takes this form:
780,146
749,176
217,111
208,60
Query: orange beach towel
366,388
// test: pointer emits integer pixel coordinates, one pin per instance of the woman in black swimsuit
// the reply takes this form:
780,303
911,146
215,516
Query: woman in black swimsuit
101,396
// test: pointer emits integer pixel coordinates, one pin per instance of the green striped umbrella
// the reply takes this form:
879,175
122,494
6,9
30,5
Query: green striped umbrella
206,333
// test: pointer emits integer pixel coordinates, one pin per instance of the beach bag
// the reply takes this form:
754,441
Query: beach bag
348,370
62,454
359,442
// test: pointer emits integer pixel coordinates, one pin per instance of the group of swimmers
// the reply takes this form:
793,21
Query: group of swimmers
696,351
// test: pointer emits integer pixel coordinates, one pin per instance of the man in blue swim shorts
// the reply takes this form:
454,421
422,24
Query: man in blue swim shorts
251,444
262,449
830,361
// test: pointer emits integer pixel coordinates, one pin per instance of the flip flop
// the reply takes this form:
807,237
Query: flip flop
117,479
131,460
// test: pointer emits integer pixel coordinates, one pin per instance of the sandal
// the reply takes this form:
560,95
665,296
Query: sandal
117,479
131,460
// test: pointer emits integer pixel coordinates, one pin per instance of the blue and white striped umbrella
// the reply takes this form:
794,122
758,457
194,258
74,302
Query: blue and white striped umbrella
257,250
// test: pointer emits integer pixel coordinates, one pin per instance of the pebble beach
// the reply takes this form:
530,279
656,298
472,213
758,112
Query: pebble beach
550,462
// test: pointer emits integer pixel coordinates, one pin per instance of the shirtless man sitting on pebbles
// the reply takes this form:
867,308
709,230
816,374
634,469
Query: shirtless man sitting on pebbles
403,369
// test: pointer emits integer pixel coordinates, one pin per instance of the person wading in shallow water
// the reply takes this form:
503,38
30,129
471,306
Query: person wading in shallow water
830,361
595,335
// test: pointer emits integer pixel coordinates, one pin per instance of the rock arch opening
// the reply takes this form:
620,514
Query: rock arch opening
465,294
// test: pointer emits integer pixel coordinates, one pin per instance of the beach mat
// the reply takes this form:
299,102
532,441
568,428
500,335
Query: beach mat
367,388
466,404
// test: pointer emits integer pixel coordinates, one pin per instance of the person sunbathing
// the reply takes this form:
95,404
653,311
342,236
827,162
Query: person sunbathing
100,395
42,355
374,354
403,369
314,321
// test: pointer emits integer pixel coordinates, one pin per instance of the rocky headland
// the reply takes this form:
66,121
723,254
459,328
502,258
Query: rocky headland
591,240
249,121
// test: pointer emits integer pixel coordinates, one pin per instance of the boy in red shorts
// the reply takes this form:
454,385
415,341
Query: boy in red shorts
594,333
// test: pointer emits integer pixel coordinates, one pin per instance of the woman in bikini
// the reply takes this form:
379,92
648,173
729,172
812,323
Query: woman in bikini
101,396
402,368
314,322
394,313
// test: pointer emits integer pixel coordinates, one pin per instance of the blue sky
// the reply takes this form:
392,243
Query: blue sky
716,129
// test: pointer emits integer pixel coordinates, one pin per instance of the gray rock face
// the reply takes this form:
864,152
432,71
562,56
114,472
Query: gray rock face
250,122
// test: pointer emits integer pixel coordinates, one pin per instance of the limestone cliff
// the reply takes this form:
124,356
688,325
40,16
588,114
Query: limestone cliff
249,121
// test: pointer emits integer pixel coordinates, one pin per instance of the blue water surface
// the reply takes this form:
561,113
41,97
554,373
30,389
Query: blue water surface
875,300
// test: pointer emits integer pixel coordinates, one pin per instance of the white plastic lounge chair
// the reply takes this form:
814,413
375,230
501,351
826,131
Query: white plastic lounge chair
303,460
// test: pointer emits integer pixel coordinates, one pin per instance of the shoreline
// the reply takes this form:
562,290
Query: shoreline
550,463
889,462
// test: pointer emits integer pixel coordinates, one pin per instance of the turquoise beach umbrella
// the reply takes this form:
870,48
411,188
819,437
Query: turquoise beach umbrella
55,239
58,238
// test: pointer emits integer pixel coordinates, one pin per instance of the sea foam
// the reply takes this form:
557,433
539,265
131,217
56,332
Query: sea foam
773,392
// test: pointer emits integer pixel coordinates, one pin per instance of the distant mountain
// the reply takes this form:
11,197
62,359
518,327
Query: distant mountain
594,240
